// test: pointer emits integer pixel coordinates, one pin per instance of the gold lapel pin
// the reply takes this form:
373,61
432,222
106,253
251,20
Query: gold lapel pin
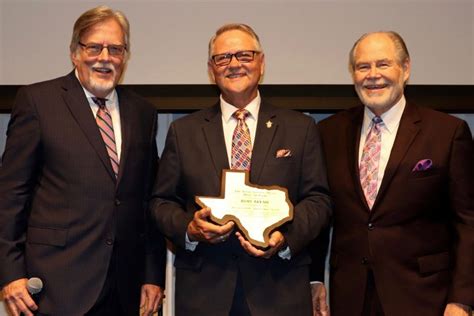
269,124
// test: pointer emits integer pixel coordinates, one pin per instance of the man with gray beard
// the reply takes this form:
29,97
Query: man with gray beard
77,169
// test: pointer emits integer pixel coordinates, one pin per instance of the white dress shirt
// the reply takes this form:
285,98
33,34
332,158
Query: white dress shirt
229,122
391,122
112,105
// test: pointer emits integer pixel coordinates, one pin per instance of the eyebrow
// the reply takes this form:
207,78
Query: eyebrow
386,60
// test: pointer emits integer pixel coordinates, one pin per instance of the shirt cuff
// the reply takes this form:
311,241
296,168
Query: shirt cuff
285,253
315,282
190,245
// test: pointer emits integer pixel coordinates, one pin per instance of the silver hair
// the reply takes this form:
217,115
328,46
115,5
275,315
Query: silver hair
98,15
231,27
397,40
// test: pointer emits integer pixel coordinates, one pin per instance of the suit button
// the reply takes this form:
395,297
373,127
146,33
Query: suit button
109,241
235,256
364,260
370,226
117,202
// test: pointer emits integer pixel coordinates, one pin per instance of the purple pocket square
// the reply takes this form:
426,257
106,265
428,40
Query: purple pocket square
423,165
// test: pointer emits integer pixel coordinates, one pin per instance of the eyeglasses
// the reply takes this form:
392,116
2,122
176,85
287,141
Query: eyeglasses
93,49
244,56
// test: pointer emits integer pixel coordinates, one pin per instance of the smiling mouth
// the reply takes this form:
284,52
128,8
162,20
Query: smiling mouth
374,87
102,70
235,75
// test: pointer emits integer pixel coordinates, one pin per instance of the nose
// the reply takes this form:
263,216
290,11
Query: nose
104,54
373,73
234,62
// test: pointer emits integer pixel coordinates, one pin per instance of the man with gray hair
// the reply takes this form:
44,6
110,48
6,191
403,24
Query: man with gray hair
74,184
402,180
218,272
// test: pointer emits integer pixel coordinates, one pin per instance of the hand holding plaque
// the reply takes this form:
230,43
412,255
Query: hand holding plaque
257,210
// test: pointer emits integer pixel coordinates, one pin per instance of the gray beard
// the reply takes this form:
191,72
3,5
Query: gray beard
105,87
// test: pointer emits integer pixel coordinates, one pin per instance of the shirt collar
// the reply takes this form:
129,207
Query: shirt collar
391,118
228,109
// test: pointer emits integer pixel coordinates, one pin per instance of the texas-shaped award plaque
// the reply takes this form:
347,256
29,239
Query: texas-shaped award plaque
257,210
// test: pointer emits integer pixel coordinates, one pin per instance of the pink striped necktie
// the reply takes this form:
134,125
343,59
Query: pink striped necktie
106,128
241,142
369,163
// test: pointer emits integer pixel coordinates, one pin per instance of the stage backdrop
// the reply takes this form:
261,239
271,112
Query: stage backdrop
305,41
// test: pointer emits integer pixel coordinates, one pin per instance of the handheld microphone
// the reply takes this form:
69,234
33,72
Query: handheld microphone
34,285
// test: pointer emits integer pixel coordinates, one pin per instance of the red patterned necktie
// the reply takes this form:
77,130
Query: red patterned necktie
369,163
104,121
241,142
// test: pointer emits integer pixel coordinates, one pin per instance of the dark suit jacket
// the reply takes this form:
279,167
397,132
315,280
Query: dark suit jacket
419,237
191,165
62,211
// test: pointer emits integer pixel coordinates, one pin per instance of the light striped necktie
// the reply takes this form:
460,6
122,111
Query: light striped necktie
241,142
106,128
369,163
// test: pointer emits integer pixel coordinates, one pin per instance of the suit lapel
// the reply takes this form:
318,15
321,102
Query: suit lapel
353,137
214,136
263,139
126,119
407,132
77,103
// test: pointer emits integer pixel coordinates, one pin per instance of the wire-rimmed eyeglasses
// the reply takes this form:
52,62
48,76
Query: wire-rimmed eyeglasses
94,49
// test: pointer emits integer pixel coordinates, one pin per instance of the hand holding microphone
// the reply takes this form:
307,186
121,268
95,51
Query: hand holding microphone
17,295
34,285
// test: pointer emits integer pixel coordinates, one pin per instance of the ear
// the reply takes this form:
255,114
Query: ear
74,58
406,69
262,65
210,72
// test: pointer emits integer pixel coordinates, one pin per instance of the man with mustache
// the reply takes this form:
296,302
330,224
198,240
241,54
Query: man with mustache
402,180
75,179
218,272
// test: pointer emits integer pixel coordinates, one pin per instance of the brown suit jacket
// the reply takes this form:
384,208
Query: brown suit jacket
62,211
419,237
192,163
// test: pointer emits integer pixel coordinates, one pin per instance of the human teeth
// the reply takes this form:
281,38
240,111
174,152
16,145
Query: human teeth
103,70
376,86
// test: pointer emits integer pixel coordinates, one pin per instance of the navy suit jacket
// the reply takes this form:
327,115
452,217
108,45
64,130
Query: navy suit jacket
192,164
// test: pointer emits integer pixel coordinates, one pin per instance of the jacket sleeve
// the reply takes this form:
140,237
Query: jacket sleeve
318,250
313,210
168,201
461,190
155,258
19,170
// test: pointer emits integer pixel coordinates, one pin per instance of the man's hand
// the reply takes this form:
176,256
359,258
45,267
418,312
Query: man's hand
456,309
151,299
200,229
18,299
276,242
320,306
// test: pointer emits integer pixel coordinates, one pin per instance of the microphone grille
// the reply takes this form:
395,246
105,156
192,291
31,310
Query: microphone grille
34,285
